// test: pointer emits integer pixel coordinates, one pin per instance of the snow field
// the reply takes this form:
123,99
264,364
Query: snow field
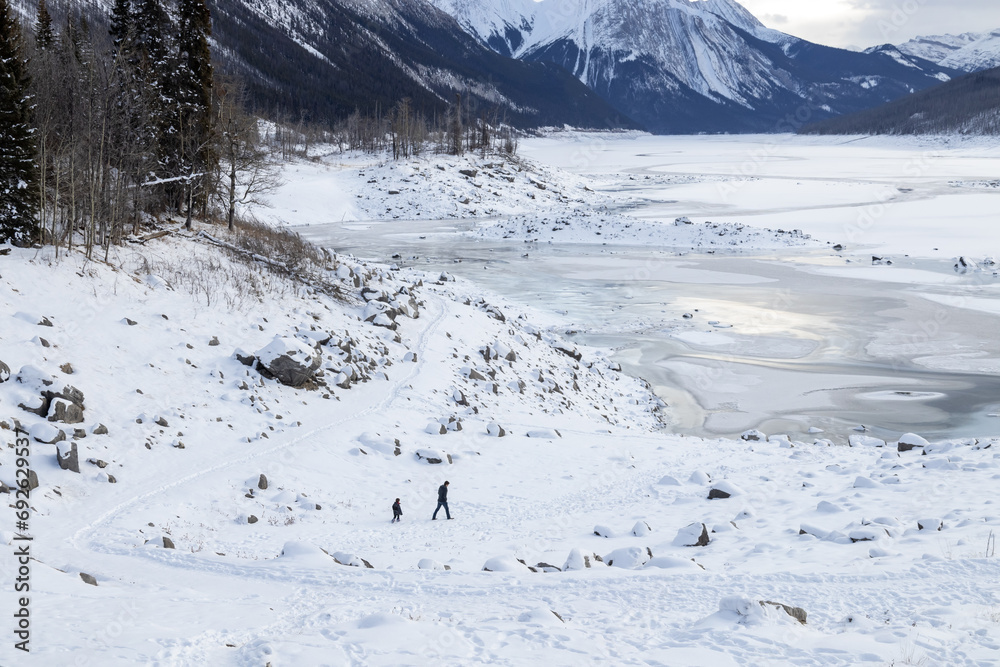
556,461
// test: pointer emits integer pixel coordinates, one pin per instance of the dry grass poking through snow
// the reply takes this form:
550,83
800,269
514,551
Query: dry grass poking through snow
258,262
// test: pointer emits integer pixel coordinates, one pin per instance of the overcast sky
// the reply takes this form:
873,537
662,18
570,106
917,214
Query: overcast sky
864,23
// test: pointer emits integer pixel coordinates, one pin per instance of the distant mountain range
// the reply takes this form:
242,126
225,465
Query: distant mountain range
967,105
669,66
969,52
693,66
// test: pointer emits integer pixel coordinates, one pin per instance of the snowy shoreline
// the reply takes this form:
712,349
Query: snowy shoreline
885,545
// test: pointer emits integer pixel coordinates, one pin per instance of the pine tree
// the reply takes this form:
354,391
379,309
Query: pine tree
18,202
122,28
194,90
43,27
157,66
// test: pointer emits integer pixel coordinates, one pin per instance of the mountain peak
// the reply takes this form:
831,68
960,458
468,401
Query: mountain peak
968,52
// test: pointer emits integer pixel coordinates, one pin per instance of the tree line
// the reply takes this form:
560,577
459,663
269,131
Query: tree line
966,105
101,128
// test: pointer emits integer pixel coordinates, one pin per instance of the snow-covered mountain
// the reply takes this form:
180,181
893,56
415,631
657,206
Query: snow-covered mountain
324,59
692,65
969,52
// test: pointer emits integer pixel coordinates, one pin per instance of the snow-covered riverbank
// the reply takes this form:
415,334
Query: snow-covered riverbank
275,499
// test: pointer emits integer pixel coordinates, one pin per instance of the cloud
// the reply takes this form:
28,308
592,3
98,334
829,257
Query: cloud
774,19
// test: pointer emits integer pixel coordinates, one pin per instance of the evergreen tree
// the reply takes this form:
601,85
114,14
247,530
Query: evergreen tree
43,27
194,91
18,202
157,65
122,28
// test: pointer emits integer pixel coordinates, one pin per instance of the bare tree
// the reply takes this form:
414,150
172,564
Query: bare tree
246,169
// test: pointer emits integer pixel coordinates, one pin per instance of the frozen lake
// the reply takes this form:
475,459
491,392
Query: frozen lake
781,341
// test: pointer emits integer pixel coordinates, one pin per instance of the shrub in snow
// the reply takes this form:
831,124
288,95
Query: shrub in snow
694,535
641,529
911,441
628,558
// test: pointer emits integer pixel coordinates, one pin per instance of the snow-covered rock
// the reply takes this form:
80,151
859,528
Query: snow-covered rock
693,535
506,563
628,558
290,361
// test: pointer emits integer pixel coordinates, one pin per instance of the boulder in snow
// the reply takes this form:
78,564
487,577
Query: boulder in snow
911,441
673,563
4,372
641,529
603,531
431,564
344,558
290,361
629,558
495,430
753,435
724,489
578,560
700,478
68,457
505,564
930,524
866,441
693,535
433,456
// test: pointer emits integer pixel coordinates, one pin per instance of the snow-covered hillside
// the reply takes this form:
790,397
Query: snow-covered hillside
969,52
229,519
217,441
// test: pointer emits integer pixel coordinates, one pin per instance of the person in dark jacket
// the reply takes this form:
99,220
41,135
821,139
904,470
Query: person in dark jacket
442,501
397,512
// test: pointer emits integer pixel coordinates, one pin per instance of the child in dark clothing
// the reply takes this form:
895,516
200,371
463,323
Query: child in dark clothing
397,511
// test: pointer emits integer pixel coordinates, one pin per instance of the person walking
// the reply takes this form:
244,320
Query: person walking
397,512
442,502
